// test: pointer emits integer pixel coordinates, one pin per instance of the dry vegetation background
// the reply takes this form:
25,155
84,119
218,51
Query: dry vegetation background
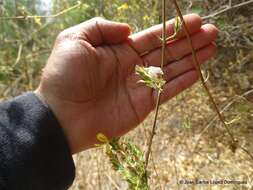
190,143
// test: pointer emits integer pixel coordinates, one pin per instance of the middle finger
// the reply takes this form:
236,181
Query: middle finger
178,49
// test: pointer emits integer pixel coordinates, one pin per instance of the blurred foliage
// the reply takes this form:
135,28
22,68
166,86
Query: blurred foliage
25,43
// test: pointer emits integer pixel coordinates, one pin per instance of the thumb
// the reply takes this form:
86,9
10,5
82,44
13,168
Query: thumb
98,31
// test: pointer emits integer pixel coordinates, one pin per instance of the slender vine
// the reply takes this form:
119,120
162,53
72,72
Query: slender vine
229,7
159,91
164,40
234,144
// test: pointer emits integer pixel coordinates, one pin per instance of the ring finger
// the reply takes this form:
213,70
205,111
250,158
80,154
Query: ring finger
177,68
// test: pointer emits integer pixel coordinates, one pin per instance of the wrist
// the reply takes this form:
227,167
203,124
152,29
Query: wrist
51,103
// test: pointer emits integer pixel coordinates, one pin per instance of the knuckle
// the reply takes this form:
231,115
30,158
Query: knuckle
69,33
98,19
62,35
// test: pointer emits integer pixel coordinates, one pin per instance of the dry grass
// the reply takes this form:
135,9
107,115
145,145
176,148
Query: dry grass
173,157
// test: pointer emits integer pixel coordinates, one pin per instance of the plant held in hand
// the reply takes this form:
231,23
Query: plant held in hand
151,76
125,157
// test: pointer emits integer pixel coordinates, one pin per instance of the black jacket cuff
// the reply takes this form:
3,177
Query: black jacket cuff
34,153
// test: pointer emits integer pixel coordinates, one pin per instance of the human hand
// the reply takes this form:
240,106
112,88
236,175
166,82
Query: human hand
90,83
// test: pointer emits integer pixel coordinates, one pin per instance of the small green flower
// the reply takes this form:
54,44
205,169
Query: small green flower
151,76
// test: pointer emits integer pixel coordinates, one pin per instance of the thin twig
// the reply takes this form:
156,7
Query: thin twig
153,129
112,181
151,156
28,56
43,16
197,66
225,108
153,163
228,8
20,49
230,3
159,92
246,151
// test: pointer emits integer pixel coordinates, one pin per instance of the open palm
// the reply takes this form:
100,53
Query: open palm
90,81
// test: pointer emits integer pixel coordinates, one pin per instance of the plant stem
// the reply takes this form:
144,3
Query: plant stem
228,8
159,92
197,66
153,129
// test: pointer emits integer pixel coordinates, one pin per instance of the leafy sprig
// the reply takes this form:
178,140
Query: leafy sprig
151,76
128,160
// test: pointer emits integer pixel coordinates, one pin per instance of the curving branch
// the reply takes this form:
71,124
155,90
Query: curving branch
234,144
46,16
225,108
229,7
198,69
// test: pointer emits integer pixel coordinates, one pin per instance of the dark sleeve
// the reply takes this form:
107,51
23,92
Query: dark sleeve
34,153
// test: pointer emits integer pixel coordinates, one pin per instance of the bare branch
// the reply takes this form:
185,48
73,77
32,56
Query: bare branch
225,108
20,49
46,16
228,8
164,42
197,66
234,144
